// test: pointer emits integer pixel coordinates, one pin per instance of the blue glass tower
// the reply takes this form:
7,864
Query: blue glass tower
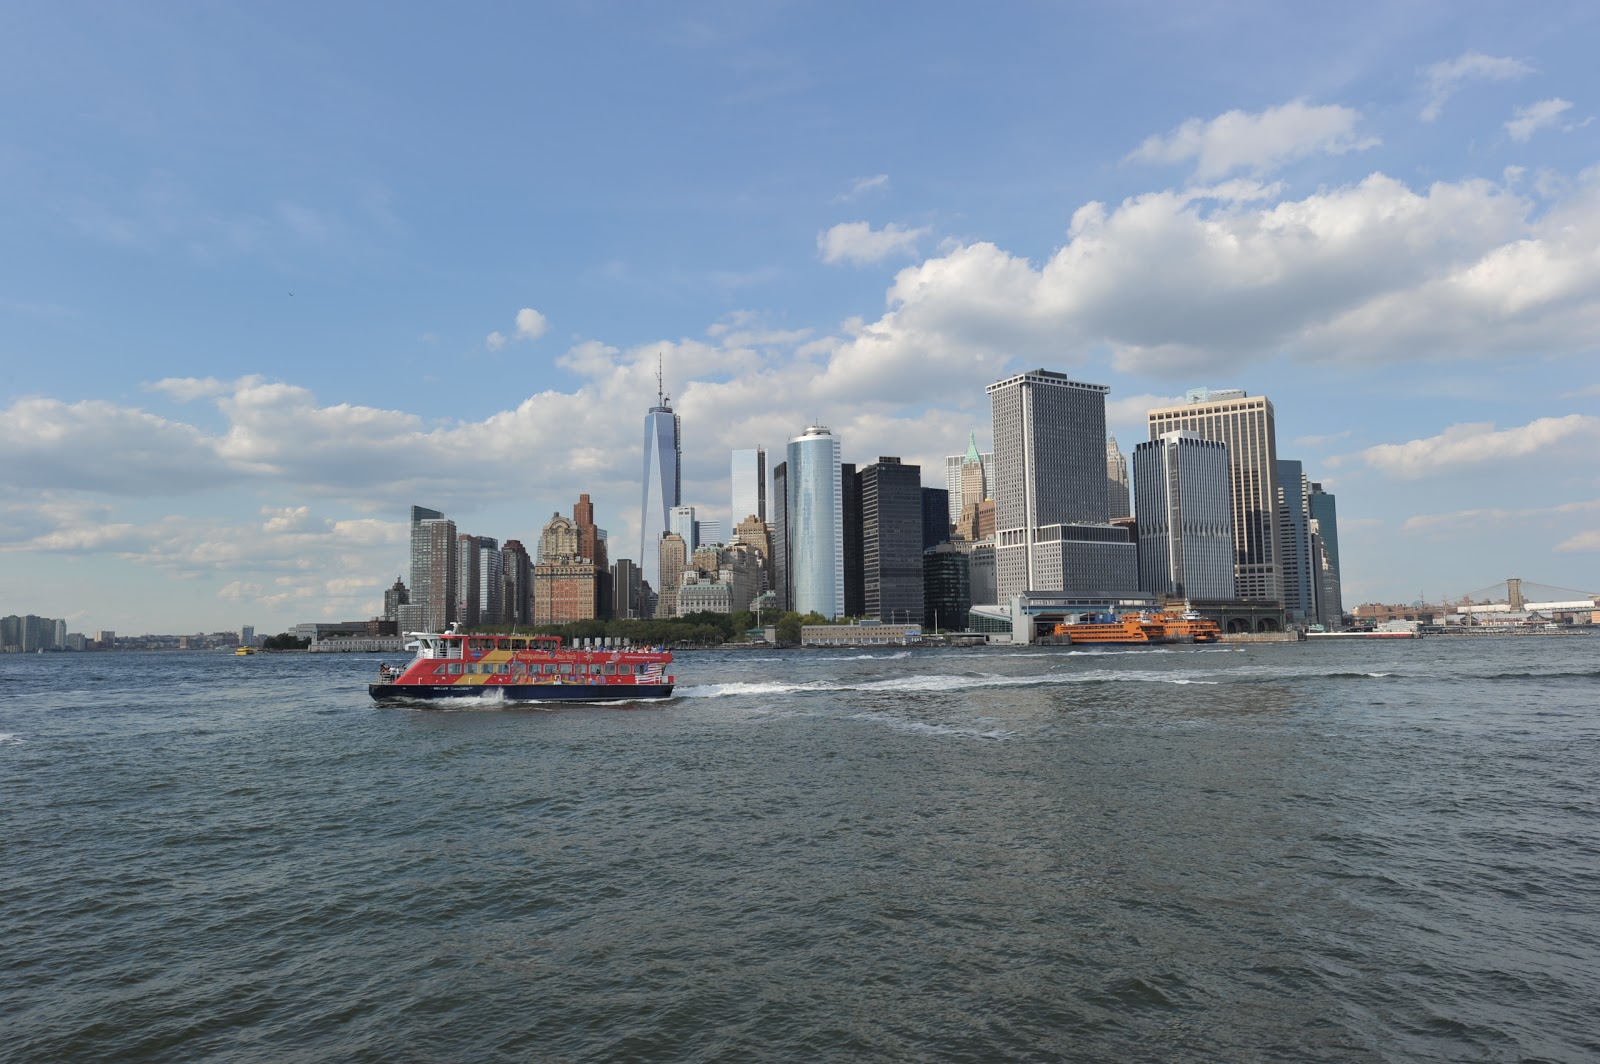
815,539
663,482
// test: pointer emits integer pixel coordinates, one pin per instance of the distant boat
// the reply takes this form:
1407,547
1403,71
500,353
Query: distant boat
243,651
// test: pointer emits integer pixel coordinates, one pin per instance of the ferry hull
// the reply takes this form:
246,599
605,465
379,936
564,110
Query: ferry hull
529,692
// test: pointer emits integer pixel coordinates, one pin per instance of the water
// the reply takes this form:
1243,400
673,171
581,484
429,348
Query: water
1335,851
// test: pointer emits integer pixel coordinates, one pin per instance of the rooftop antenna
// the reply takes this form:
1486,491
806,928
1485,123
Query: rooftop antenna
659,395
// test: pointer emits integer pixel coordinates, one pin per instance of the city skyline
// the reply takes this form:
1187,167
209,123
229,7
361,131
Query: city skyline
225,375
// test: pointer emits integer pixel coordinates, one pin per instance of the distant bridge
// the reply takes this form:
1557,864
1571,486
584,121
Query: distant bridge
1516,595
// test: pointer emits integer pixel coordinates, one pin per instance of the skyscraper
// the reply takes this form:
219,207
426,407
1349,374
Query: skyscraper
815,519
433,572
969,477
1116,480
780,537
681,520
748,479
1301,573
1052,531
935,517
855,577
891,523
467,577
1325,537
518,604
1185,532
1246,424
491,582
663,481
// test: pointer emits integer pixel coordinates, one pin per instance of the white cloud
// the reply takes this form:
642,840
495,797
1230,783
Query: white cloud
1259,142
862,186
1444,78
859,243
530,324
187,389
1182,285
495,341
1475,444
1526,121
1583,541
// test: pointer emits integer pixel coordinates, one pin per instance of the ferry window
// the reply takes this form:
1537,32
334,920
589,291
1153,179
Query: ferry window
438,670
611,670
472,670
566,667
595,669
519,644
455,668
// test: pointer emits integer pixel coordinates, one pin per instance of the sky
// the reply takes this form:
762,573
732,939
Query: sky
271,274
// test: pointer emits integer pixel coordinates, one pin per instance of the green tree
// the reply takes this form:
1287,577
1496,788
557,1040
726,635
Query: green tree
789,628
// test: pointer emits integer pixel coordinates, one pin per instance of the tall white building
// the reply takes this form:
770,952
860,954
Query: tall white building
663,482
748,479
1117,503
1247,425
814,513
1052,528
1185,531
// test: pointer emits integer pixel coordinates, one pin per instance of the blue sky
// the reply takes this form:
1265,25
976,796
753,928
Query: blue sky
271,274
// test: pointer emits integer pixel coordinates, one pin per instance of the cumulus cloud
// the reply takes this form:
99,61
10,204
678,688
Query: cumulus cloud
530,324
1526,121
187,389
1442,79
495,341
859,243
1263,141
1476,444
1179,285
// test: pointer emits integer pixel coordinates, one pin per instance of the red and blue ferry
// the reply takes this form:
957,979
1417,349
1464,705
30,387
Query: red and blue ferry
523,668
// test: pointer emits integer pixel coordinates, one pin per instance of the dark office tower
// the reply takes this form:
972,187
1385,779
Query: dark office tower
467,577
519,582
1185,531
935,517
780,535
663,480
1302,574
946,588
855,587
748,480
1325,520
1325,511
891,541
624,589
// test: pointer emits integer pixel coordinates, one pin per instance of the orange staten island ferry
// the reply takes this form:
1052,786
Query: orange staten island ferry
523,668
1135,629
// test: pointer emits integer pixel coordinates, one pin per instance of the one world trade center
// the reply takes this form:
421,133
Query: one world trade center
663,482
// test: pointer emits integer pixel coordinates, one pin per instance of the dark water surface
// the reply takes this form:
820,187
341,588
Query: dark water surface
1337,851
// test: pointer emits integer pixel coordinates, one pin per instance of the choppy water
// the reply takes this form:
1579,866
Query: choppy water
1342,852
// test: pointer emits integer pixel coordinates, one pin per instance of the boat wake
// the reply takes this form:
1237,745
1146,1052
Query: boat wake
10,738
954,731
935,683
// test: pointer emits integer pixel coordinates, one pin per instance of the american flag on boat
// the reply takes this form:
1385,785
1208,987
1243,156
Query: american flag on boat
654,672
